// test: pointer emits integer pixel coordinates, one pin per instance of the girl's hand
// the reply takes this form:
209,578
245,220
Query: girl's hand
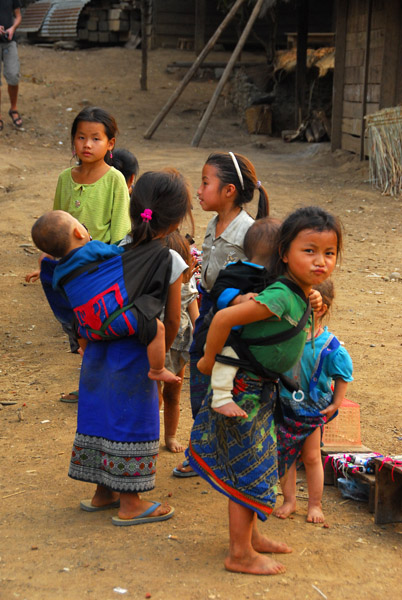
315,300
329,411
204,366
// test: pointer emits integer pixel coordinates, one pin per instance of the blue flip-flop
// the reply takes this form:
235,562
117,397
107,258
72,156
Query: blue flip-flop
86,505
145,517
178,473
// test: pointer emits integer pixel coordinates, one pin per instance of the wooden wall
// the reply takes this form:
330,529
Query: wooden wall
368,63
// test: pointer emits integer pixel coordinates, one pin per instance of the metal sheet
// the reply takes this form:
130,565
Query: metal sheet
33,17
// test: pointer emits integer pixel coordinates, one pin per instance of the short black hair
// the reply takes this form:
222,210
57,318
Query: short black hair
51,234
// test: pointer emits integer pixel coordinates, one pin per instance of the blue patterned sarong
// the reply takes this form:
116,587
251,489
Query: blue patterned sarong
238,456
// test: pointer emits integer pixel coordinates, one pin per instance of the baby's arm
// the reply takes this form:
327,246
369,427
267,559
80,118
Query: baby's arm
222,323
34,275
172,312
242,298
339,394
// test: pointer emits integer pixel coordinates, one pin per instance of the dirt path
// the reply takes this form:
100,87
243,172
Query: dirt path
49,549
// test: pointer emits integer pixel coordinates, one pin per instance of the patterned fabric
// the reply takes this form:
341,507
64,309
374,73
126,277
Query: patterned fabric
199,383
118,463
238,456
118,418
292,434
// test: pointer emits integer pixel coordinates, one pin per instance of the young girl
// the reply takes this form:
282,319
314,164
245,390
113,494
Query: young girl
124,161
117,439
228,183
304,414
92,191
178,355
238,456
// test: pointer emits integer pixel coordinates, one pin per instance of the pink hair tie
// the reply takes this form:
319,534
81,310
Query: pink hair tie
146,215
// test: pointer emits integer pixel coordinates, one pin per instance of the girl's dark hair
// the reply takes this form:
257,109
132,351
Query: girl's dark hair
177,242
126,162
167,194
94,114
260,238
327,291
227,173
307,217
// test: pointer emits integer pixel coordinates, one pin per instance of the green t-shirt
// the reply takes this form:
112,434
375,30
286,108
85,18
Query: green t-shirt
103,206
289,309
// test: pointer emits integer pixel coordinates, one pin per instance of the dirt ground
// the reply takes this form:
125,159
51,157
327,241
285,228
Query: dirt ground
49,549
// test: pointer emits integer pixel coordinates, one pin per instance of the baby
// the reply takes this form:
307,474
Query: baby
97,294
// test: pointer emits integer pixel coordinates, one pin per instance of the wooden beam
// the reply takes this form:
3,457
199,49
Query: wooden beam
199,34
225,75
365,80
191,72
393,29
339,74
302,34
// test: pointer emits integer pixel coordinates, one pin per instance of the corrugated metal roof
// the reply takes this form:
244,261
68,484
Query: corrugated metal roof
33,17
60,20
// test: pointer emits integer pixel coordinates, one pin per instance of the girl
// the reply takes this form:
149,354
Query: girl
117,439
236,455
94,192
228,183
300,432
178,355
124,161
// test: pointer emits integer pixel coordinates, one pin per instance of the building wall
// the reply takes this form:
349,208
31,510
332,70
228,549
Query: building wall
367,66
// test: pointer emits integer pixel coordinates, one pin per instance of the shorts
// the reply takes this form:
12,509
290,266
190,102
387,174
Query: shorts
11,63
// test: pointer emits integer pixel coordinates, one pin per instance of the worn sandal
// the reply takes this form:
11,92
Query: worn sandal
17,121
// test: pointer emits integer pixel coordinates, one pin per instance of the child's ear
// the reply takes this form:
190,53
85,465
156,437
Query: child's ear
111,143
323,310
230,189
78,234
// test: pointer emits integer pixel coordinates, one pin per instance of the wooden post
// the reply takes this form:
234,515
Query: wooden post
225,75
199,34
144,44
191,72
339,74
302,33
391,63
365,80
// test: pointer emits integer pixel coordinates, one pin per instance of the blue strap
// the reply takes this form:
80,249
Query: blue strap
332,344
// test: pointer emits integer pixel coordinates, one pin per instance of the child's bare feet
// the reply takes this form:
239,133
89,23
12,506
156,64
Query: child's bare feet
263,544
253,563
288,507
163,375
315,514
173,445
231,409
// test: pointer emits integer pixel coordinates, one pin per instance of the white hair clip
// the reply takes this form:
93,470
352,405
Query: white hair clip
236,164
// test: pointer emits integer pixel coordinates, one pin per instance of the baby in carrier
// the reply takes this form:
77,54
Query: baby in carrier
113,293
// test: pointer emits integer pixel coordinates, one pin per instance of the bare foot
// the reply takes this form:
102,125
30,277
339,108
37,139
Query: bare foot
231,409
184,467
255,564
315,514
287,508
163,375
104,496
263,544
173,445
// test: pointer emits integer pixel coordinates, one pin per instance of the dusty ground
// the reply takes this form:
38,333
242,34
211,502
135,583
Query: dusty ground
49,548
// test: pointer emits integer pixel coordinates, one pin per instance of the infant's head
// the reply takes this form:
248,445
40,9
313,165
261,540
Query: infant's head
57,232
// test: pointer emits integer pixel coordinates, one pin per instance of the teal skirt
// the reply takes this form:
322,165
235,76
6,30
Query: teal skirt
238,457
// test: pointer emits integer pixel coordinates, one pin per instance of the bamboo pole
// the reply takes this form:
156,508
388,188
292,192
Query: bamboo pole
191,72
225,75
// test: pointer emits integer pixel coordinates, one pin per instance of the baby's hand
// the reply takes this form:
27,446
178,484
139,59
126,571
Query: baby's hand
204,366
32,277
243,298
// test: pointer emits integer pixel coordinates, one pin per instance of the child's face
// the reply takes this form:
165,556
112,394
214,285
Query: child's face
311,257
91,142
211,194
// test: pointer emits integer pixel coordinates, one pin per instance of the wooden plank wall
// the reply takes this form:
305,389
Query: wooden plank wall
356,35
